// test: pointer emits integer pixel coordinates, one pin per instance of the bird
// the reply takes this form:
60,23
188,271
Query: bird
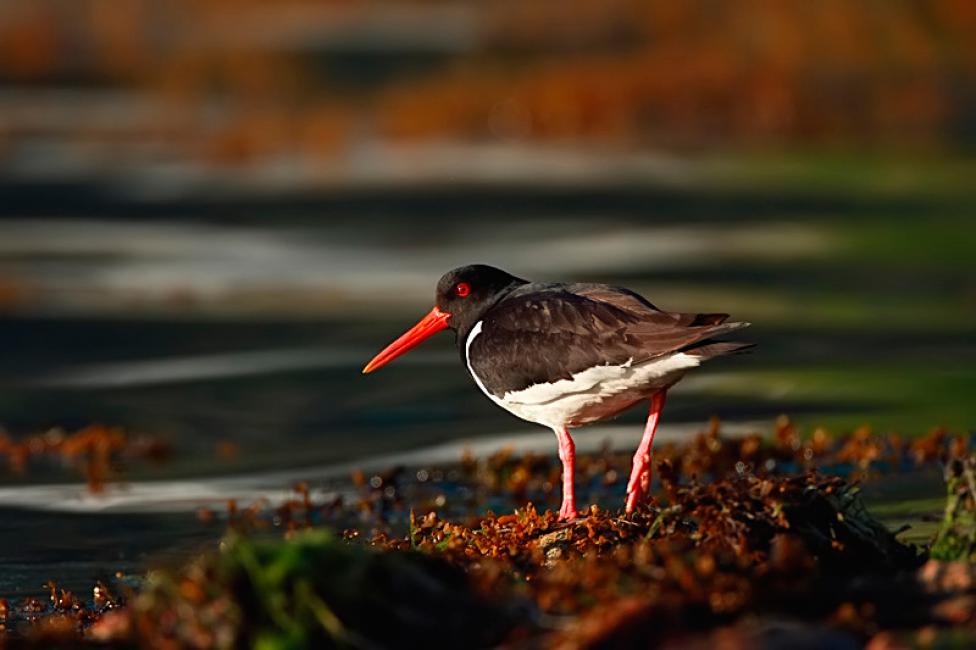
563,355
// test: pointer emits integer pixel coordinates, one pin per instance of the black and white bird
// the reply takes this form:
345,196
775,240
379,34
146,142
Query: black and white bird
567,354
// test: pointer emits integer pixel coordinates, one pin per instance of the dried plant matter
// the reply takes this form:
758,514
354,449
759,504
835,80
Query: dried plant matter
98,452
744,542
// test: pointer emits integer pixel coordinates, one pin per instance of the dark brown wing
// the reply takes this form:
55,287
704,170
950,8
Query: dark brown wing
631,301
617,296
552,334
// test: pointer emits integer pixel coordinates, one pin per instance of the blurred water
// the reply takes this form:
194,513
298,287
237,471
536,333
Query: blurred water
247,321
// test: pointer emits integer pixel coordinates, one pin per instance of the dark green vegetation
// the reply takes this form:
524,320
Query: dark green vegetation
315,590
956,539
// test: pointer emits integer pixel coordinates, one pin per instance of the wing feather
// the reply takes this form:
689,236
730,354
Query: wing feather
552,334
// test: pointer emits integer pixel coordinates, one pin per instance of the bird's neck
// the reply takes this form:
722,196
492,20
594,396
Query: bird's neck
463,329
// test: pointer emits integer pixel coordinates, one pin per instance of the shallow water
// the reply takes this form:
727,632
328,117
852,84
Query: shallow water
207,322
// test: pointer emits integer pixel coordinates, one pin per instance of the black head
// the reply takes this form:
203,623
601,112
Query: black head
468,291
463,295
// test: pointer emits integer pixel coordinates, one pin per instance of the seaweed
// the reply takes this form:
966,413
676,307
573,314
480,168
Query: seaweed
99,453
314,590
956,539
747,541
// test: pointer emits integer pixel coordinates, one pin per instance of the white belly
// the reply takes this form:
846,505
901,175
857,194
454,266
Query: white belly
591,395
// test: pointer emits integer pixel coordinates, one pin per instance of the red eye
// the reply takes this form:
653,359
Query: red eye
462,290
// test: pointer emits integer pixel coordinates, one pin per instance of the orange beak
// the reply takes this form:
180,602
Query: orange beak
429,325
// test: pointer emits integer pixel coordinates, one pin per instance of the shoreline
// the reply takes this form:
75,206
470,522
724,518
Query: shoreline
275,487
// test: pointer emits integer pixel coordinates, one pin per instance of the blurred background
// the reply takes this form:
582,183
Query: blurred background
213,213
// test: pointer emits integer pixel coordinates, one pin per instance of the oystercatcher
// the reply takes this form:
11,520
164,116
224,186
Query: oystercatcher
563,355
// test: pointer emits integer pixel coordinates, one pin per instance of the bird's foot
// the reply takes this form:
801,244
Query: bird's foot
568,510
634,498
639,486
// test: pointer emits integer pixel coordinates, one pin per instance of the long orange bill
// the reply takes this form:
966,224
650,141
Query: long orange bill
430,324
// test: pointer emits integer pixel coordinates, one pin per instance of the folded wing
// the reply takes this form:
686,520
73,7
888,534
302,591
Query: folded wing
557,333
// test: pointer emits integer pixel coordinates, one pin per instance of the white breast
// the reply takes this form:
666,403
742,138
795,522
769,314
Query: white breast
590,395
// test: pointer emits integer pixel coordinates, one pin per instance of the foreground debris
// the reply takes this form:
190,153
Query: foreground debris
744,545
956,539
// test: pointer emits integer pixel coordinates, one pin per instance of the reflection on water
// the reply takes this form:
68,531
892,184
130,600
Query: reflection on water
98,266
77,550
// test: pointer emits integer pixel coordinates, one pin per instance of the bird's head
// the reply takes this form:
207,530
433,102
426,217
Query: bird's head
463,295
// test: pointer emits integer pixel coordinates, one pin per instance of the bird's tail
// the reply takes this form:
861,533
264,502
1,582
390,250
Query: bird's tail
712,350
709,348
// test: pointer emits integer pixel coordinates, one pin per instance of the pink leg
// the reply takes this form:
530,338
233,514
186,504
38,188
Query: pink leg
567,454
640,474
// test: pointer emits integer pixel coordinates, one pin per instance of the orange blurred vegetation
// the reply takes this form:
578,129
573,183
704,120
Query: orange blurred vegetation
96,451
630,72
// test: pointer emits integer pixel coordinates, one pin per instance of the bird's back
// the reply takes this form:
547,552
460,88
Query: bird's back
585,351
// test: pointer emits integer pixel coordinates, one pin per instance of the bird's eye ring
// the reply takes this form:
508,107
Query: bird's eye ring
462,289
